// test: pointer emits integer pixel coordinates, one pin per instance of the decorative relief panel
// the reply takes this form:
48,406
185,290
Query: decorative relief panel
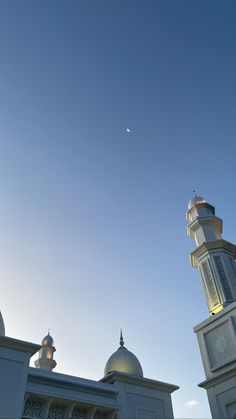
78,413
210,285
221,347
233,264
32,409
56,411
223,278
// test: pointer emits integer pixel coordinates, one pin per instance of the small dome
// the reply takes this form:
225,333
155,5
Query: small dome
196,200
2,327
123,361
47,340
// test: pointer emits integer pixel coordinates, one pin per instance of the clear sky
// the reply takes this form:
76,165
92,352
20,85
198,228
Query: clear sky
92,217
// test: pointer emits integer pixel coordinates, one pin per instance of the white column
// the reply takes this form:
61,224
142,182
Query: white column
14,363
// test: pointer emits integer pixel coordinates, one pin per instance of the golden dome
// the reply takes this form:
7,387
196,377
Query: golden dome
123,361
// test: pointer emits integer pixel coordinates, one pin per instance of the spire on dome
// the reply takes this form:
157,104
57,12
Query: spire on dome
121,338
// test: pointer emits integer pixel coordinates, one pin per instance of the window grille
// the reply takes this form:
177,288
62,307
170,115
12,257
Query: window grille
33,409
56,411
78,413
99,415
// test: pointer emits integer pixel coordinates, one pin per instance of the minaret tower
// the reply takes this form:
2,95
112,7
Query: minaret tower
214,257
215,260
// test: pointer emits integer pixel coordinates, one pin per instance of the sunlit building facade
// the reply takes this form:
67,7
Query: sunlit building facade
41,393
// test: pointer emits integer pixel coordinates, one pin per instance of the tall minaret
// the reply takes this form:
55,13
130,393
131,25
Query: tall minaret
215,260
214,257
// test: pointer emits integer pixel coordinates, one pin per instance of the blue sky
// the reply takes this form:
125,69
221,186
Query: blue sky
92,218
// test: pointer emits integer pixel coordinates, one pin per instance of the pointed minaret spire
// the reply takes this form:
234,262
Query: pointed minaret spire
121,338
214,257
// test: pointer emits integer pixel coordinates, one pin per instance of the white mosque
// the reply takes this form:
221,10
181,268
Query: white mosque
40,393
124,392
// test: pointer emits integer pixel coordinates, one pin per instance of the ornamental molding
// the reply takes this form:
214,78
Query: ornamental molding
19,345
54,381
219,318
201,221
116,376
199,205
207,247
219,379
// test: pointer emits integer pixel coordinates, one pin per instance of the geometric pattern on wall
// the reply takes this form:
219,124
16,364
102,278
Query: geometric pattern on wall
32,409
56,411
99,415
78,413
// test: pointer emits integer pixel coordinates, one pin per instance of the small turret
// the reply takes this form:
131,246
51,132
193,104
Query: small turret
45,360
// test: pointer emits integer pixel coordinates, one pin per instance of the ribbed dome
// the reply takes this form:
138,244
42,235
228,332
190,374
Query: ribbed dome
196,200
123,361
2,327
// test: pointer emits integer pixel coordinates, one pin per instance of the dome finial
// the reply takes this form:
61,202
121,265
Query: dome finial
121,338
194,193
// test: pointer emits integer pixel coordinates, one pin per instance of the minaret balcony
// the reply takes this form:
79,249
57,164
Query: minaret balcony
201,223
200,252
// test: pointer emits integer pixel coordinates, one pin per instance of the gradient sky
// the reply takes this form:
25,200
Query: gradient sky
92,218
